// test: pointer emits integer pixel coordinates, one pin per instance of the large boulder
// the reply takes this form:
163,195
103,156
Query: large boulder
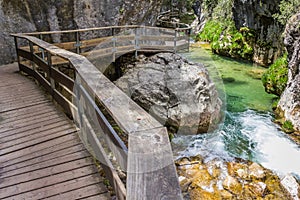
175,91
289,104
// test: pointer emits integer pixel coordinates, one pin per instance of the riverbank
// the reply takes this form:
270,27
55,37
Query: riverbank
248,133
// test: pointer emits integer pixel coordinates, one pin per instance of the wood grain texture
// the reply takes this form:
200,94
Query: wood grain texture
41,154
151,172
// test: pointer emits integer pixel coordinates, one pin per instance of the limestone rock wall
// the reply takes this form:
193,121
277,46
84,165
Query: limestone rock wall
44,15
289,103
257,15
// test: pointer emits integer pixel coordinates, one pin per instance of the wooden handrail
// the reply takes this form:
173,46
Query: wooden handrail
151,173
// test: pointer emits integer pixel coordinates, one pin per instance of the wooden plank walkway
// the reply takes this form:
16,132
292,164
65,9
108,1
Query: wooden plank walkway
41,156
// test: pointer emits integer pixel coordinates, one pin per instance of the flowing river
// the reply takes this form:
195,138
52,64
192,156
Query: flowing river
247,131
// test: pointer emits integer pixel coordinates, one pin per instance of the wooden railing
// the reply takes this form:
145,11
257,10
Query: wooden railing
164,19
84,92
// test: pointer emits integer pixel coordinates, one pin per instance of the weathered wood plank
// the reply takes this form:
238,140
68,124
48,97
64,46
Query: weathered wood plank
46,127
59,160
98,197
100,154
46,181
60,188
29,139
150,158
83,192
26,112
6,108
161,38
45,172
62,78
45,155
31,143
40,152
30,125
18,123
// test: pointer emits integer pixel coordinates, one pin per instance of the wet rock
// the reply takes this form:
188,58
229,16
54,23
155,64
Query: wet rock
184,183
258,188
231,180
176,92
200,193
292,186
256,171
233,185
238,169
202,179
226,195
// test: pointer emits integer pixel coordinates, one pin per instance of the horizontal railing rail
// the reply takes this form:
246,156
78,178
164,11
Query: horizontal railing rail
79,87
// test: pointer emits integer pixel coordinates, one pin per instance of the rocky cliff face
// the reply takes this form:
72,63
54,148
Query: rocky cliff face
41,15
289,103
257,15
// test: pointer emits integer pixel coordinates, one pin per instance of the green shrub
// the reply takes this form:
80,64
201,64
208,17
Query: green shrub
288,127
226,40
275,78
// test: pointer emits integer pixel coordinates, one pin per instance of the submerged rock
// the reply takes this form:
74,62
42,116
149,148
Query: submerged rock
255,181
175,91
289,104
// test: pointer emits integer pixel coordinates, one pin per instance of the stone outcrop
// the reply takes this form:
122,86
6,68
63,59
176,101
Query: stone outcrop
258,16
238,179
289,104
38,15
175,91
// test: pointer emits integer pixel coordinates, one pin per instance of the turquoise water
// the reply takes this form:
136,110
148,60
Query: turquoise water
242,90
248,131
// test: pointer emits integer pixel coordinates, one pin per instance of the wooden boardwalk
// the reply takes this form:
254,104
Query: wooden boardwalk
41,156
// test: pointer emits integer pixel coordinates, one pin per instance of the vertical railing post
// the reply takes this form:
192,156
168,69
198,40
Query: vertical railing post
41,49
52,81
188,37
32,54
17,50
80,108
136,41
78,44
175,40
114,44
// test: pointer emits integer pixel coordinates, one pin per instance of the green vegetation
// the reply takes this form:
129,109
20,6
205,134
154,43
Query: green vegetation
288,127
226,40
275,103
275,78
287,9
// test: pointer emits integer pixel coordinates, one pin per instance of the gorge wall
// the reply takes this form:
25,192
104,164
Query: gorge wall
44,15
289,104
258,16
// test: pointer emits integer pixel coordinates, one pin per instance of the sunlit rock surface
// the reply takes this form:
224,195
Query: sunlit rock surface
219,179
289,103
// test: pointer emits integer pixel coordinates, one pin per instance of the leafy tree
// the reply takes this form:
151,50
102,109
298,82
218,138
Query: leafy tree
287,9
